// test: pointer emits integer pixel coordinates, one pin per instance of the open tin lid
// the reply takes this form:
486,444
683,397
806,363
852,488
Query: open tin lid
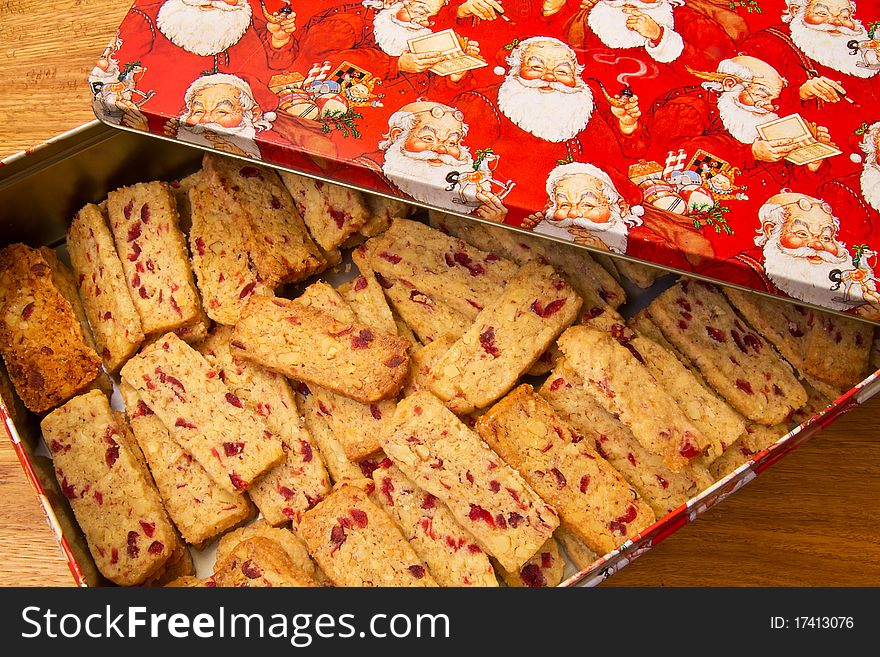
735,140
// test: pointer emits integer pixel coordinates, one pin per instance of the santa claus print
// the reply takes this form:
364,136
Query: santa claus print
221,113
722,116
651,32
375,36
423,155
188,38
210,27
797,251
811,48
856,195
585,207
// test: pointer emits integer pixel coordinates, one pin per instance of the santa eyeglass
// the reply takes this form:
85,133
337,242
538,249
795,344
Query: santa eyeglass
806,205
439,112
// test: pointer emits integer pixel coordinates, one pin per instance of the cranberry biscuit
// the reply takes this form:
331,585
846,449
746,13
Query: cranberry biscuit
487,497
616,378
154,257
450,551
697,319
659,486
356,544
115,322
309,345
232,443
505,340
47,355
332,212
300,480
113,498
200,508
593,500
276,237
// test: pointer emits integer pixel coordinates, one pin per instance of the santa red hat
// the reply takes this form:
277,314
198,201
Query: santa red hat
625,188
861,141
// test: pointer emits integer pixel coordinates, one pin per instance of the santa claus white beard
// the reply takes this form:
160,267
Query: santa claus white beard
792,273
830,49
203,32
391,34
740,121
608,21
613,233
550,115
871,185
423,181
242,136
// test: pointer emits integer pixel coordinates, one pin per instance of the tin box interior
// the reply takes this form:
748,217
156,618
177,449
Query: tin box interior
42,189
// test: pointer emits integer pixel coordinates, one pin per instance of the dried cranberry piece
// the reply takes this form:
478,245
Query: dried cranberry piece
184,424
745,386
251,570
635,352
200,246
663,483
585,483
362,340
393,258
303,389
337,536
275,202
237,482
250,172
375,412
156,547
494,486
323,409
546,311
286,493
631,458
360,517
795,331
114,556
682,303
111,455
753,341
247,289
682,325
233,449
556,384
463,259
429,501
688,450
479,513
360,283
532,576
513,519
134,232
133,549
716,334
394,361
387,488
306,451
234,400
487,341
126,211
546,560
27,311
99,497
67,488
417,571
560,478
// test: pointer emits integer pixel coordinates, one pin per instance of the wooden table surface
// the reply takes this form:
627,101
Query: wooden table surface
812,519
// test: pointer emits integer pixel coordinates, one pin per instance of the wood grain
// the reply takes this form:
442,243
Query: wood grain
812,519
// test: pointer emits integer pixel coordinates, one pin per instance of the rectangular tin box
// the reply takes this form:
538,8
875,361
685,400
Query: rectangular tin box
41,189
